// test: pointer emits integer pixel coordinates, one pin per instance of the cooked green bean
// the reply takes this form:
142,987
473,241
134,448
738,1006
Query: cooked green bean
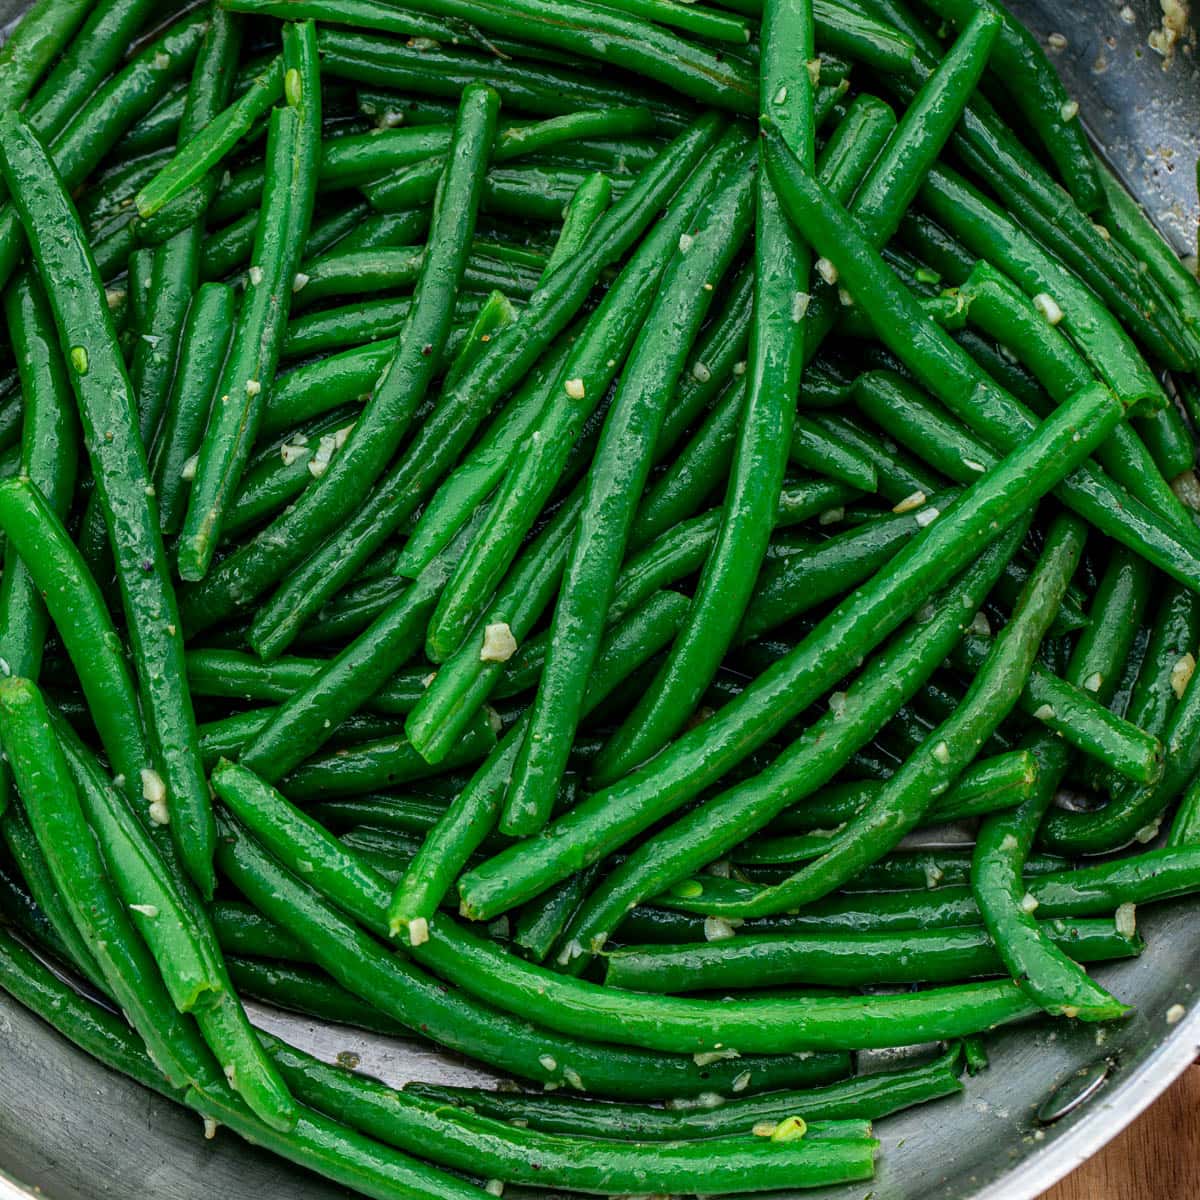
45,29
862,1097
844,960
205,150
249,370
118,462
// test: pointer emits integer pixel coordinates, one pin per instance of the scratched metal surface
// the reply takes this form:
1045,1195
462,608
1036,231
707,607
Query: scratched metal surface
71,1130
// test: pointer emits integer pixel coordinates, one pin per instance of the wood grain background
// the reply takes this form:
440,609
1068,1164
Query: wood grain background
1156,1158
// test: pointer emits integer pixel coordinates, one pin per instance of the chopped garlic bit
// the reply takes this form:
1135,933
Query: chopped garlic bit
575,389
147,910
1128,15
814,70
1056,41
915,500
933,875
831,516
1175,1014
1048,307
1093,681
740,1082
300,281
1070,110
972,465
780,96
210,1129
499,645
717,929
1148,833
790,1129
1029,903
573,1078
1181,674
188,470
255,275
981,625
701,373
705,1058
927,516
844,298
1008,843
837,703
494,1187
1125,919
800,303
289,452
548,1062
1174,29
418,931
253,387
739,367
942,753
1044,713
494,719
763,1128
685,242
826,270
154,791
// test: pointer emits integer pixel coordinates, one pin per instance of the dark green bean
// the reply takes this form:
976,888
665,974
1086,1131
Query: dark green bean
119,465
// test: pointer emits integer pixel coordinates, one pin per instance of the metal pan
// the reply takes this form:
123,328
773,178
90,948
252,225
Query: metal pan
71,1130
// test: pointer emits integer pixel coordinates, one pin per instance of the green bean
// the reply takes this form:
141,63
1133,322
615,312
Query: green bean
1039,95
766,420
195,158
158,129
239,676
225,737
1003,843
28,859
457,1138
998,307
178,935
314,388
52,805
1130,224
1078,718
705,23
354,272
108,112
404,991
49,434
75,604
588,204
403,814
202,350
844,960
866,1097
473,813
249,370
413,185
38,38
540,922
988,785
934,765
787,587
697,758
119,465
614,485
242,930
381,763
92,55
897,475
441,438
936,360
992,235
651,52
573,392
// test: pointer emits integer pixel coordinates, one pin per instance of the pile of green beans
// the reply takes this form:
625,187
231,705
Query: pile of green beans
523,523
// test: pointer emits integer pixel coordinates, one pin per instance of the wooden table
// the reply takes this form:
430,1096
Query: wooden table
1156,1158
